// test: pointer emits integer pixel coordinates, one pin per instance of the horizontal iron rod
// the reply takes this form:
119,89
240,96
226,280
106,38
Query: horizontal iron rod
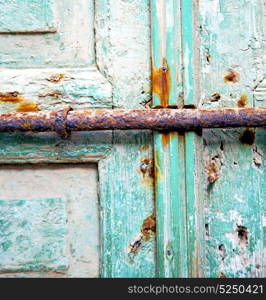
64,120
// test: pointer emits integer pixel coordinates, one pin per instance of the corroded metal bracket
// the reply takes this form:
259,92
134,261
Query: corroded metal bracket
64,121
61,121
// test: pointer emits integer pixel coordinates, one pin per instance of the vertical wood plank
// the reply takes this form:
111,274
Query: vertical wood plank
232,51
167,88
195,220
232,75
170,205
188,52
126,193
126,180
195,226
176,155
234,203
123,50
166,53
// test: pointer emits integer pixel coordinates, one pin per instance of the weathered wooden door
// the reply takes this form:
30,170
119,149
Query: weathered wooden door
210,185
85,206
71,208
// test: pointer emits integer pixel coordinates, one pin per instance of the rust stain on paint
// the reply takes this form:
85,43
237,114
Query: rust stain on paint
56,77
222,275
26,125
232,77
15,97
55,94
156,169
242,233
148,227
213,171
166,139
147,171
144,147
146,167
161,83
243,101
28,106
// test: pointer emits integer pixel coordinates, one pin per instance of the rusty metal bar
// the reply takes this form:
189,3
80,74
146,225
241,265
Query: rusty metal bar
64,121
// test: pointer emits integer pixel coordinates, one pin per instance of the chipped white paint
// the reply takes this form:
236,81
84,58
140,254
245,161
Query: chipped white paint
260,92
239,198
27,16
235,216
264,221
69,184
123,49
83,87
234,39
72,45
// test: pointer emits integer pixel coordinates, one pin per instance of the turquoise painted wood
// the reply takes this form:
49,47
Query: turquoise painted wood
132,204
84,206
27,16
44,247
179,209
232,61
36,231
166,53
167,88
41,33
189,43
222,207
194,206
234,219
126,202
170,205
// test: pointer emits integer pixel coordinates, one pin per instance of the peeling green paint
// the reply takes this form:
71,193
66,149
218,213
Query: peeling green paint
40,242
213,52
27,16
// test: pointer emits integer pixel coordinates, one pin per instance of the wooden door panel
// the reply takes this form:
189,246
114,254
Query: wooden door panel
216,176
232,52
85,62
29,238
232,67
42,82
209,185
27,16
49,89
125,183
47,33
49,220
234,199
